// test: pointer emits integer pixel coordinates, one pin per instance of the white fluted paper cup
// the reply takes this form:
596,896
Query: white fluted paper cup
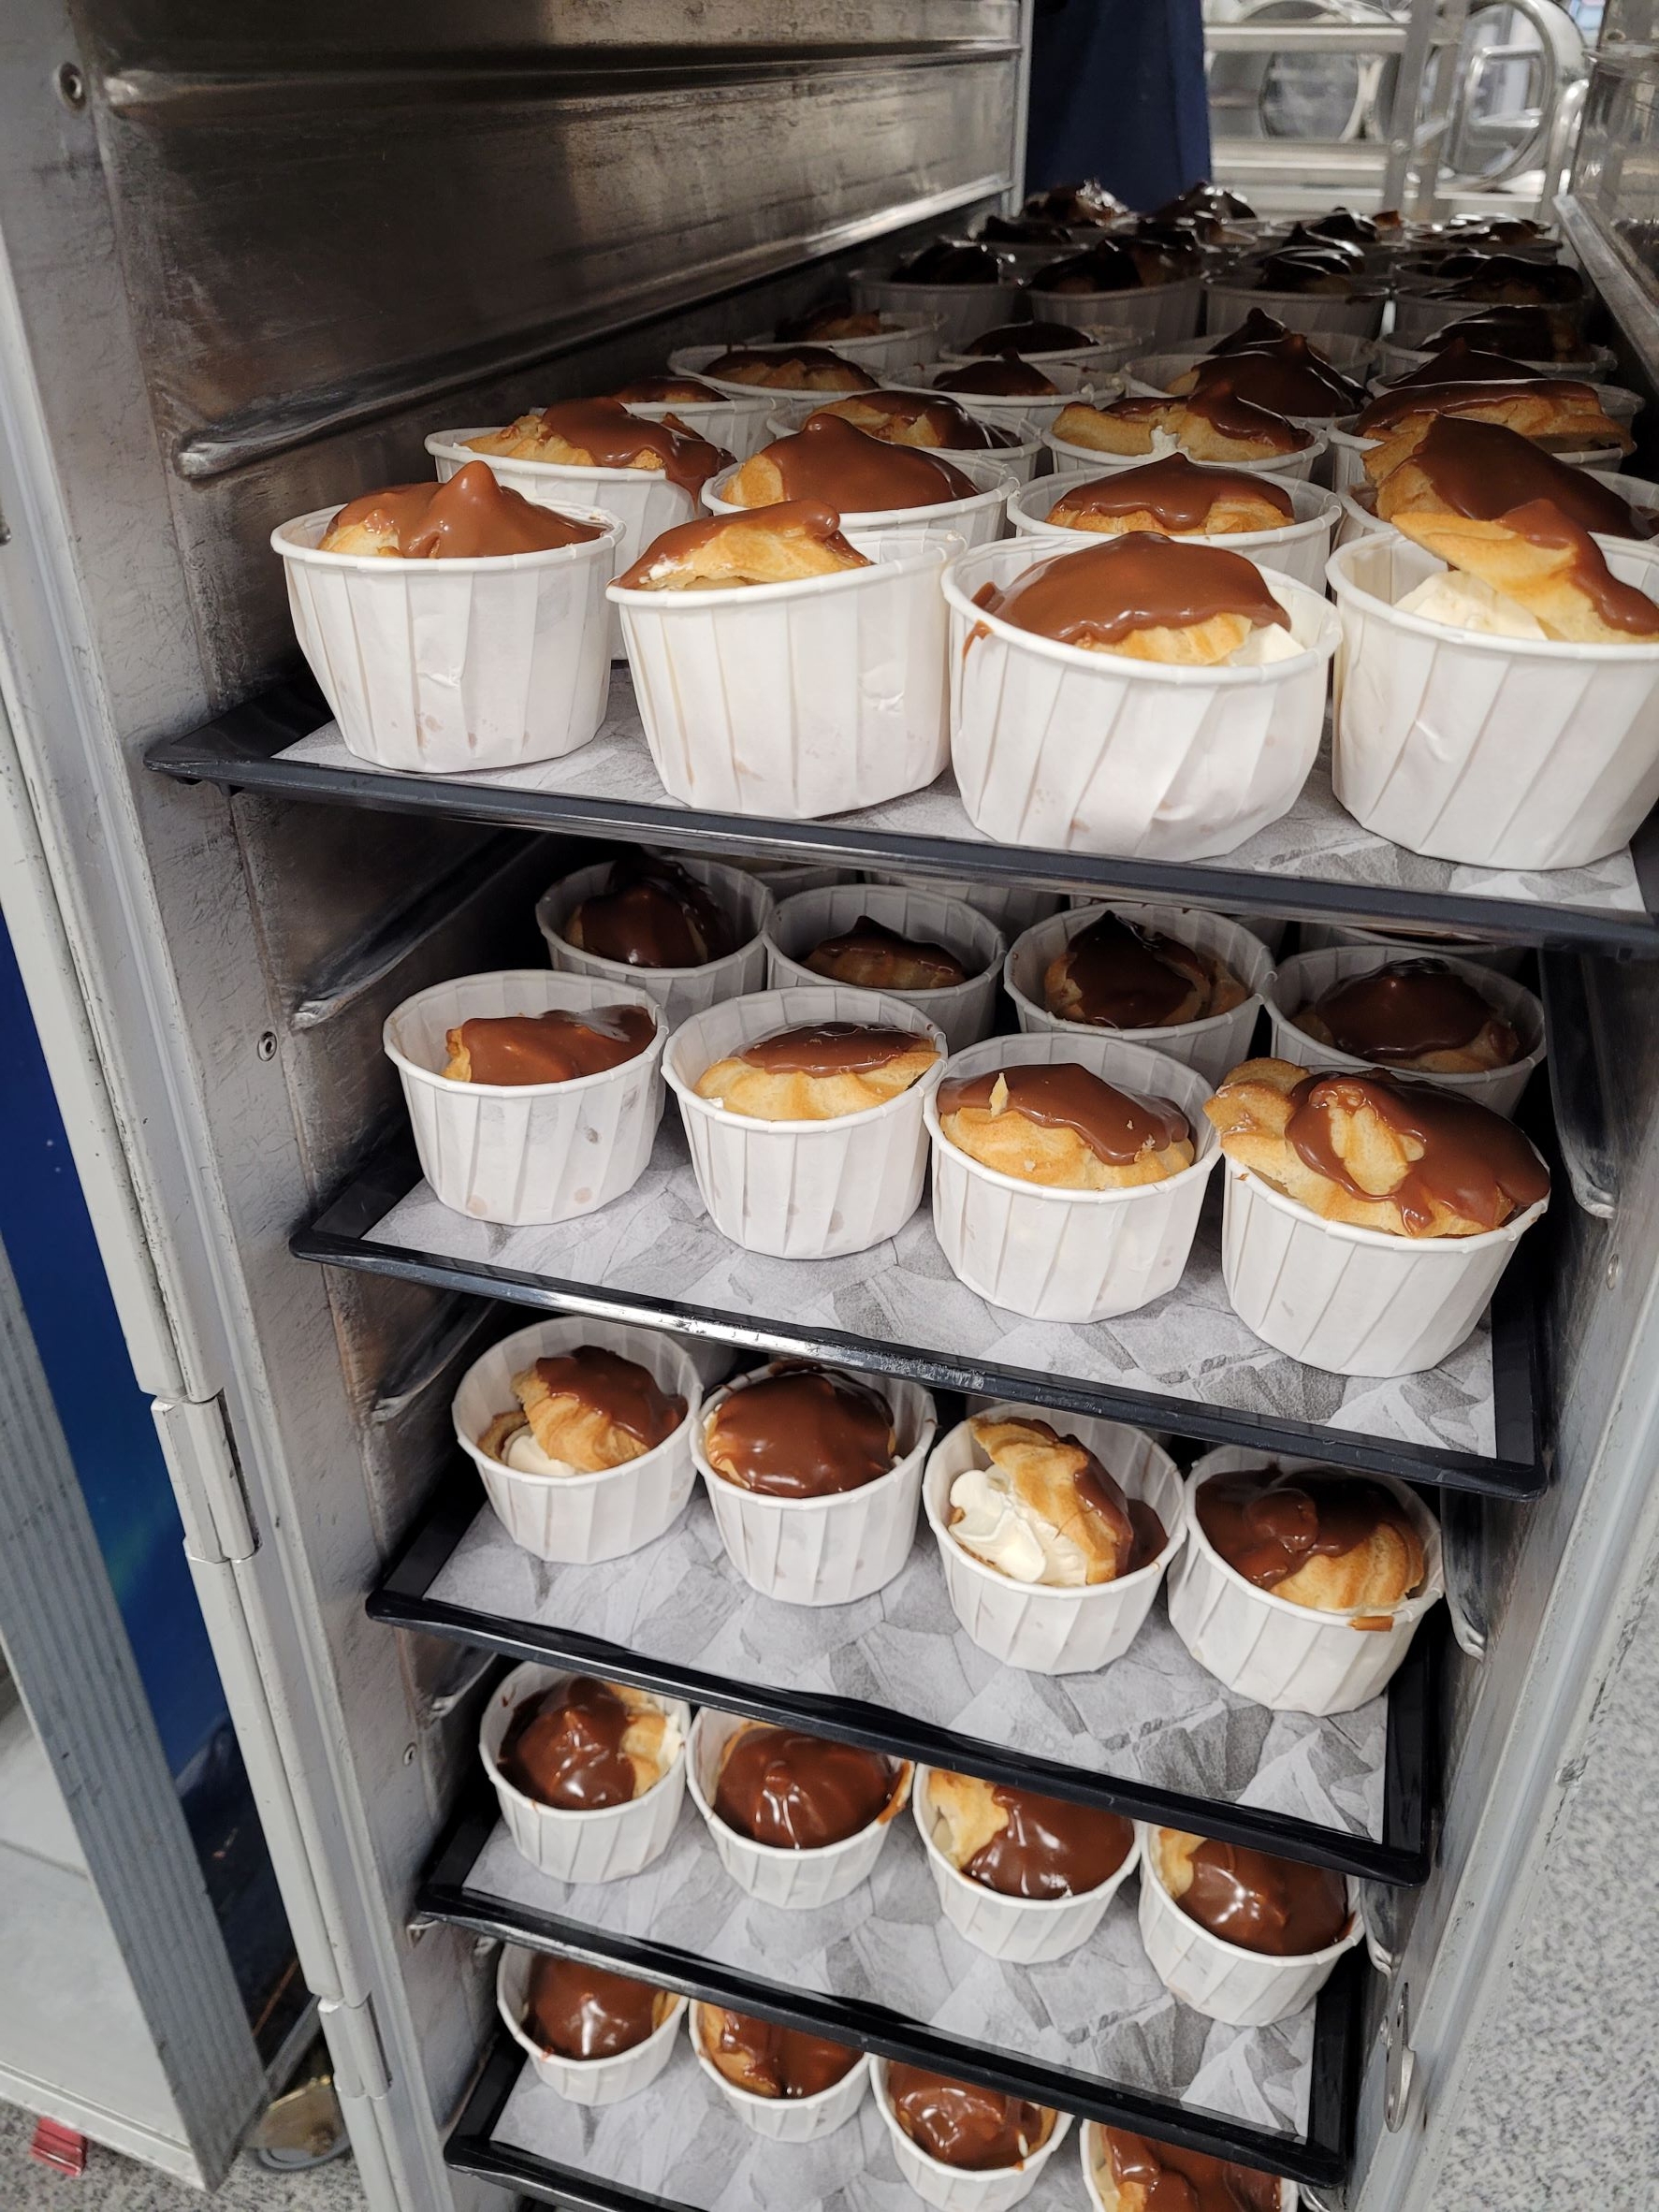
831,1550
437,667
972,521
1298,467
1223,1980
1074,1256
1093,753
581,2081
1297,549
1354,1300
1359,315
737,427
1013,907
680,992
1213,1045
1089,2140
787,2120
803,1189
580,1519
643,501
530,1152
960,312
1500,752
1157,314
1307,977
1024,1930
794,700
797,1881
605,1844
1318,937
1047,1630
1290,1657
959,2189
962,1013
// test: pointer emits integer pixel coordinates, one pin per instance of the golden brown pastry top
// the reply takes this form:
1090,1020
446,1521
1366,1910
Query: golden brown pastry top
911,418
961,2124
778,544
1375,1153
650,914
818,1072
1556,412
1546,565
796,1791
555,1047
764,2059
804,1433
1483,470
1177,498
1412,1014
1115,974
828,461
601,434
831,319
1020,1844
1008,376
472,517
1149,597
873,958
659,391
1056,1123
1536,333
585,1745
1135,2174
1275,1906
587,1410
1334,1543
790,369
1210,423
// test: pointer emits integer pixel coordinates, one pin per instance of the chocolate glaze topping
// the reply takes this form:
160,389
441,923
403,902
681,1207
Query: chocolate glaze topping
1530,331
799,356
1178,491
1005,377
1302,239
1622,606
1471,1158
1138,581
1086,202
1220,400
1060,1095
555,1047
565,1748
1343,224
952,426
797,1792
1267,1524
940,264
1403,1010
627,1395
1127,977
1306,269
1509,278
1262,1904
808,517
1453,398
1287,376
1176,2180
944,968
829,1048
1050,1848
584,2012
1023,230
1257,328
1104,266
616,439
472,517
1461,363
961,2124
787,2062
1484,469
1204,199
828,459
803,1433
1027,338
659,390
652,914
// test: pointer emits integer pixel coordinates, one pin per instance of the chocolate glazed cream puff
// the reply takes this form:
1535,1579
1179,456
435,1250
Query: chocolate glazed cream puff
1023,1845
1133,2174
795,1792
1414,1014
584,2012
1274,1906
961,2124
764,2059
585,1746
803,1433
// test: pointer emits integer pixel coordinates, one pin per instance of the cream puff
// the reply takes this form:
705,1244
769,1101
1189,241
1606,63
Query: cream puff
1315,269
1025,339
472,517
829,461
962,2124
1371,1152
1089,202
764,2059
601,434
1412,1014
1134,2174
1020,1844
1116,264
555,1047
945,264
650,914
1005,377
1177,497
803,1433
1533,333
1277,1907
873,958
1116,975
780,545
580,1412
911,418
579,2011
1151,598
1056,1123
795,1792
1528,573
818,1072
1555,412
797,369
585,1745
667,391
1482,470
1211,424
1044,1509
1286,376
830,320
1333,1543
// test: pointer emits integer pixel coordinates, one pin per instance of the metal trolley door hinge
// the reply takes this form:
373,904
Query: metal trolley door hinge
354,2048
1402,2059
206,1478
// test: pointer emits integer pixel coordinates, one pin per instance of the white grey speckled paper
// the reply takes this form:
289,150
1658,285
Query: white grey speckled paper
1154,1717
657,1241
1102,2011
1315,839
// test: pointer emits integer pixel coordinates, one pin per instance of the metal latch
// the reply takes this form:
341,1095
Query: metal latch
206,1478
1401,2057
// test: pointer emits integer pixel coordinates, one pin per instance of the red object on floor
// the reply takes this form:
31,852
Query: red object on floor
59,2147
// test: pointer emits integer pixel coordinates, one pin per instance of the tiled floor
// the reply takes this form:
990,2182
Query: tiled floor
112,2184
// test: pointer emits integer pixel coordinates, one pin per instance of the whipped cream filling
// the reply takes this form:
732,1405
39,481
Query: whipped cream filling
997,1526
1268,644
1464,603
525,1456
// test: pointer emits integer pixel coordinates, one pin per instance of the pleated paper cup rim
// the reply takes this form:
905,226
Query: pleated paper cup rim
1290,2196
1032,2165
879,571
940,1001
580,1329
1642,555
1002,457
742,890
862,350
1371,292
1450,1248
936,1498
1245,956
748,2100
865,518
1316,612
781,1853
1161,1069
877,1007
516,1689
1313,505
297,540
1206,1938
895,1390
1071,459
1033,1908
665,2032
1513,1001
1061,355
547,985
1405,1614
452,445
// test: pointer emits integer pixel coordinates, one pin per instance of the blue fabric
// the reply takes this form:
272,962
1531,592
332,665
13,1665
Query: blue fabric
1117,93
